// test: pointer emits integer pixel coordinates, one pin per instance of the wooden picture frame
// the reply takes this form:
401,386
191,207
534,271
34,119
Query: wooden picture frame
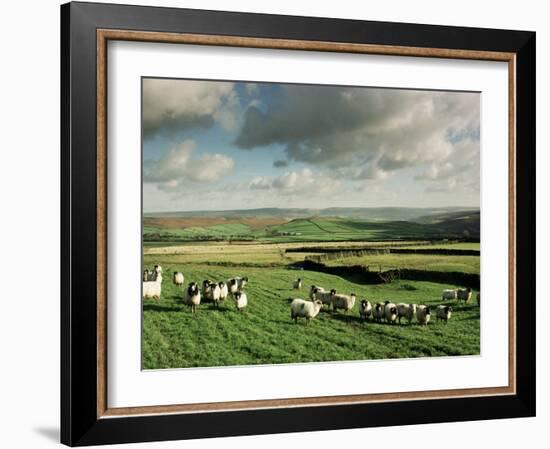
86,29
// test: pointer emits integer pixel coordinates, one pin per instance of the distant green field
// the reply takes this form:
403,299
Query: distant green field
464,264
301,230
265,334
458,245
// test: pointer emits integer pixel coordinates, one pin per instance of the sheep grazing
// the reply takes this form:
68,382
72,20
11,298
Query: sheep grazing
448,294
478,297
192,296
321,295
241,301
365,309
306,309
407,311
297,284
443,313
314,289
390,312
378,312
224,291
423,315
178,278
343,302
464,294
152,289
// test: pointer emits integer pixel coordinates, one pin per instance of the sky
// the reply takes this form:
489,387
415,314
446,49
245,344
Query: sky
216,145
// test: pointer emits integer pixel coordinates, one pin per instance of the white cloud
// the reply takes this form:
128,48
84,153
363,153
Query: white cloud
177,167
171,104
303,182
372,132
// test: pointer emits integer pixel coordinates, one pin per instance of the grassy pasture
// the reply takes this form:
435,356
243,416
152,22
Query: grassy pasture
265,334
464,264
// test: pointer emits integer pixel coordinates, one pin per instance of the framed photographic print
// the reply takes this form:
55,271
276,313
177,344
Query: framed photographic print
267,220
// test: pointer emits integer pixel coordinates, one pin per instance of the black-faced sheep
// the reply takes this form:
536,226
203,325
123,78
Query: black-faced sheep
464,294
390,312
365,309
443,313
241,301
423,315
313,289
323,296
192,296
297,284
378,311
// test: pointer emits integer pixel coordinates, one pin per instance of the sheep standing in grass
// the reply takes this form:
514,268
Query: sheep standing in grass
192,296
178,278
443,313
241,301
448,294
305,309
297,284
343,302
423,315
390,312
145,275
152,289
365,309
206,290
378,312
224,291
464,294
321,295
212,294
407,311
313,290
236,284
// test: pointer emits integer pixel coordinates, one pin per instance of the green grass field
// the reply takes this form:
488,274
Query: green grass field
219,246
265,334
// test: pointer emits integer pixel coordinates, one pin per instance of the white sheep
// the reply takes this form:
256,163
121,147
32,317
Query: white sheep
178,278
423,315
152,289
321,295
365,309
192,296
407,311
378,312
448,294
241,300
224,291
305,309
390,312
212,294
464,294
313,290
236,284
443,313
297,284
344,302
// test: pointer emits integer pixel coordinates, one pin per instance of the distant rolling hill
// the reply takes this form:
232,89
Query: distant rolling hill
295,225
363,213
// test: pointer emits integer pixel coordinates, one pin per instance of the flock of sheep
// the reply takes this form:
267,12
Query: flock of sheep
382,311
217,292
214,292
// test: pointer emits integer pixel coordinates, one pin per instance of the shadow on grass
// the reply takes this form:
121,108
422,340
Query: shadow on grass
161,308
